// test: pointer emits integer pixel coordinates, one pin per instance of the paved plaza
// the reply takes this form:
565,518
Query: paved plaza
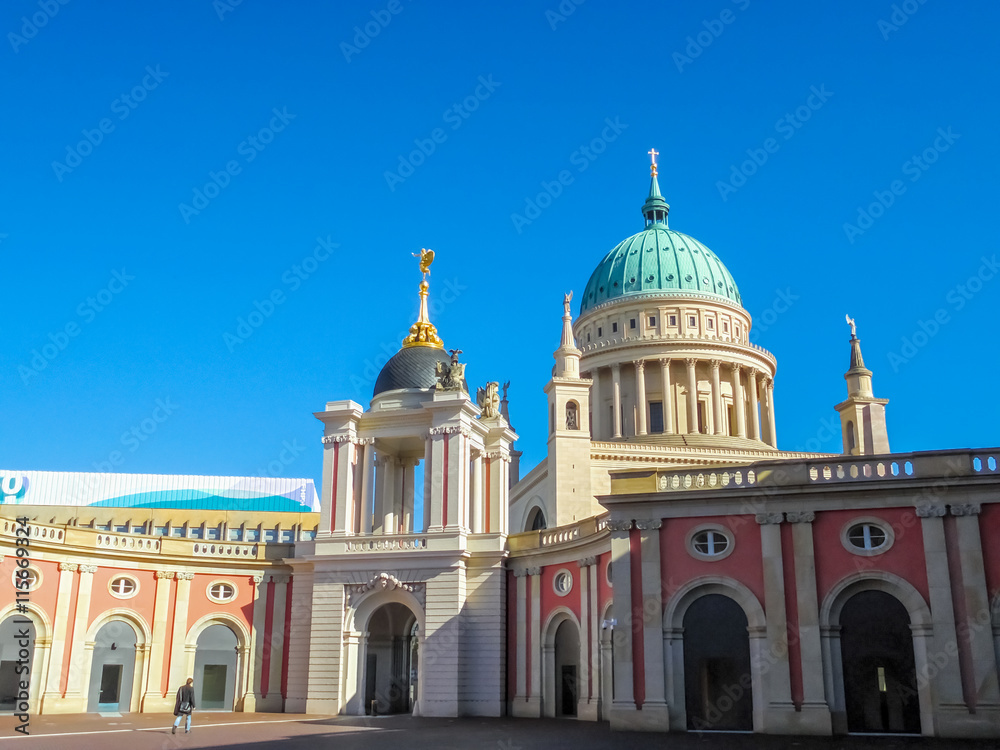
264,731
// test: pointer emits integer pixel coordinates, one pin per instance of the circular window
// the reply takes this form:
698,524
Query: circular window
562,584
123,587
26,579
867,536
710,542
221,592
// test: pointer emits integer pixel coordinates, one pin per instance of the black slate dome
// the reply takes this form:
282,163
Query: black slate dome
412,367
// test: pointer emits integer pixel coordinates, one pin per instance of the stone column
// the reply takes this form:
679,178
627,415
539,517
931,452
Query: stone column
477,521
252,694
354,651
535,683
586,706
385,512
692,401
716,398
409,466
977,609
668,397
522,684
771,433
60,627
741,418
754,411
341,506
277,641
616,417
178,665
154,695
430,468
947,683
598,430
815,714
640,396
654,708
623,706
777,679
365,503
76,691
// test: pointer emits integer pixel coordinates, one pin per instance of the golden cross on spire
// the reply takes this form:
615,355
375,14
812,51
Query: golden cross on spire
653,153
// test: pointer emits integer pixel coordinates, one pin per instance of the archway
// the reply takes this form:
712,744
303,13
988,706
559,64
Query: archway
391,659
535,520
718,689
880,679
112,671
17,640
216,668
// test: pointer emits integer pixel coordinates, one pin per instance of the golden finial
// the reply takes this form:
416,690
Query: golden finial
653,153
423,332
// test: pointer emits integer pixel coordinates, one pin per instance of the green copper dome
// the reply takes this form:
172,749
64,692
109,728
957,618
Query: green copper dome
658,261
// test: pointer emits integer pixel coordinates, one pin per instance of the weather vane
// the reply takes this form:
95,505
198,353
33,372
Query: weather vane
653,153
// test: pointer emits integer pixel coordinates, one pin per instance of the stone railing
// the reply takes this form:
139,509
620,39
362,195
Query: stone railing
804,472
560,535
223,549
611,343
130,543
44,532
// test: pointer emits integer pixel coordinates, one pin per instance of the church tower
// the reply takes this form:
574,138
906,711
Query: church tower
862,416
569,431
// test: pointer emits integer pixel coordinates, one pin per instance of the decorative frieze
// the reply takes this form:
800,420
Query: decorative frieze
501,454
68,566
327,439
161,574
765,519
586,562
385,582
968,509
803,516
931,511
535,571
185,576
88,569
258,578
619,525
648,524
450,430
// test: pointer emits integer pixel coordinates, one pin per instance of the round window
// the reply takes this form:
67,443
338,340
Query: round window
26,579
123,587
866,536
563,582
221,591
710,542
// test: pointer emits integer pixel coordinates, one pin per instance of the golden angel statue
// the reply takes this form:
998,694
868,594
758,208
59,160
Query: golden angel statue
426,258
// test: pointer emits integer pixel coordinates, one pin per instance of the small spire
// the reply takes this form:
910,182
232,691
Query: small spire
423,332
567,331
655,209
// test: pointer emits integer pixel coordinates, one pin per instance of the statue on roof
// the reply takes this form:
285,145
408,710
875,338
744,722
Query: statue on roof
426,258
488,399
450,375
850,322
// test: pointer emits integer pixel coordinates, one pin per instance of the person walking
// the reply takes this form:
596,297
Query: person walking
184,705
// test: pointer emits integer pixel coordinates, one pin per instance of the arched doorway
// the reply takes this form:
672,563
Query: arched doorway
17,643
717,679
112,671
567,668
880,678
391,660
216,665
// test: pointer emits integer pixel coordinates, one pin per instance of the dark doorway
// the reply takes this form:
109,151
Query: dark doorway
880,680
390,667
215,668
717,680
111,684
567,659
11,639
213,685
655,416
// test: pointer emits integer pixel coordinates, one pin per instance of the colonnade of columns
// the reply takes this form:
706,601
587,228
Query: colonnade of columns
751,393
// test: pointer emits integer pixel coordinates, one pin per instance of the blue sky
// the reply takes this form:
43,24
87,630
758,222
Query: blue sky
171,169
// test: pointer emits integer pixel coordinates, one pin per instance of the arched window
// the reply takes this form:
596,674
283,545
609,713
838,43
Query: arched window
572,416
536,520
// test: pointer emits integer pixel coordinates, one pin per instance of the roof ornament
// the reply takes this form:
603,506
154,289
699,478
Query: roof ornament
655,209
488,399
854,328
653,153
423,332
450,376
